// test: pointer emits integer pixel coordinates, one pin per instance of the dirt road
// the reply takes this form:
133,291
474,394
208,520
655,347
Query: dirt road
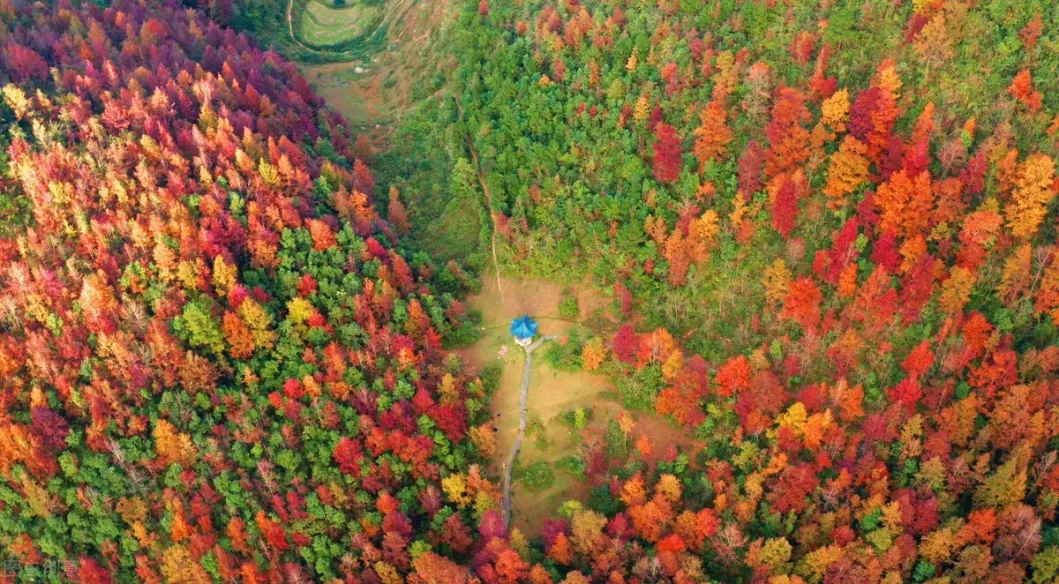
523,399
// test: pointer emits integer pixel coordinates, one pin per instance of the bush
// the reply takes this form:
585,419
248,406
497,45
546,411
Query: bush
602,501
638,390
617,442
490,376
566,356
568,306
537,476
574,465
535,432
577,418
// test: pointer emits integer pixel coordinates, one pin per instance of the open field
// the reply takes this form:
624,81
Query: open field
552,393
322,24
355,96
374,91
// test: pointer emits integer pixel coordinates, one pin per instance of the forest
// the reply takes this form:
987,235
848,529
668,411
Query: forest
233,327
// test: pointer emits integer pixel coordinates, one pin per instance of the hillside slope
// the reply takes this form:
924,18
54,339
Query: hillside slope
827,232
214,364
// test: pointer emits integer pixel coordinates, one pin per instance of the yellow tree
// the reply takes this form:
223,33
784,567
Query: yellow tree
1016,275
1047,298
1006,486
1032,194
815,564
593,354
774,553
179,566
669,487
938,546
172,446
633,61
673,365
956,291
484,440
455,488
775,280
259,322
834,112
847,170
587,531
702,235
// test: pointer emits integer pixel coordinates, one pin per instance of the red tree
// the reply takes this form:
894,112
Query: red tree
626,343
750,163
668,154
785,209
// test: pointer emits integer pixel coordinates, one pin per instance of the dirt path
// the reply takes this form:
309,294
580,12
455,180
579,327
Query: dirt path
488,200
548,436
523,399
290,25
492,213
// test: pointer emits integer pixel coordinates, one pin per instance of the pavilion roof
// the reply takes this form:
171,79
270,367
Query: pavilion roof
524,327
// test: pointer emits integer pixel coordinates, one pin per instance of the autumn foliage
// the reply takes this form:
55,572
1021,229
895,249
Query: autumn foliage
667,153
204,373
222,359
852,302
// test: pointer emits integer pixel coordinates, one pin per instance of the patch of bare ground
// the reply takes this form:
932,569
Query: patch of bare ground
552,393
373,94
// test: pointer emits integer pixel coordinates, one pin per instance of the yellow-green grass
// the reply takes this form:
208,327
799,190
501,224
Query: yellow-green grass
552,392
362,98
322,24
381,91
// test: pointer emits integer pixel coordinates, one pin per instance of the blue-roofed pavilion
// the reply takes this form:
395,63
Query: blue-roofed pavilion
523,328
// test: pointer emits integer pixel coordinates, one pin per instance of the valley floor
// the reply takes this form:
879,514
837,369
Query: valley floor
552,393
372,93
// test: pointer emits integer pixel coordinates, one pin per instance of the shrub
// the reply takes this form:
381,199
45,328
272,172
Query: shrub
568,306
537,476
638,390
574,465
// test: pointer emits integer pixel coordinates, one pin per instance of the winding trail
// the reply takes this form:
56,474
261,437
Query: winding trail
290,26
522,400
488,198
492,213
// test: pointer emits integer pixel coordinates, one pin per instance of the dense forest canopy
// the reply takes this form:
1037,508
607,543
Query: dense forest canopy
215,363
827,231
831,228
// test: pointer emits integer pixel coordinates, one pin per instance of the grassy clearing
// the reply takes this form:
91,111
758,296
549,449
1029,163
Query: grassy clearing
323,24
456,232
439,187
379,71
347,92
555,435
